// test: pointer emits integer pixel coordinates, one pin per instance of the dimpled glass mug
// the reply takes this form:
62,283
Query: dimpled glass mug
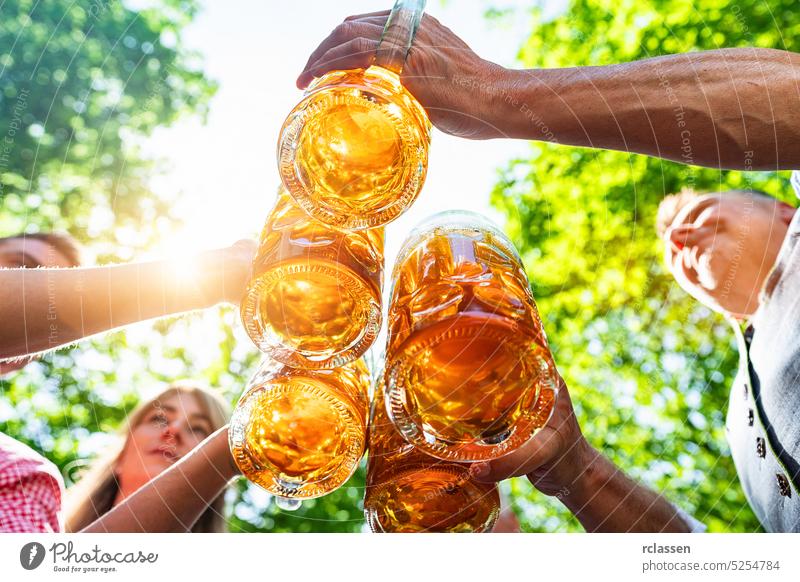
300,434
354,152
314,300
469,375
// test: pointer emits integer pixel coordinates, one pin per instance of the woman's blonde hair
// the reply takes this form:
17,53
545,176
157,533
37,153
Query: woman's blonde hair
94,494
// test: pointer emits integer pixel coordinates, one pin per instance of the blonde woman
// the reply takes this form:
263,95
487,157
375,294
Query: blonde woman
168,475
51,306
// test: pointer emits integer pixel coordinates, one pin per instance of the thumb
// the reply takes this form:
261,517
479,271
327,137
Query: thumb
524,460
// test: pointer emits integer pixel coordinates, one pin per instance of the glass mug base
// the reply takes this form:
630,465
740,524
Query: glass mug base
471,387
354,152
311,314
297,437
440,498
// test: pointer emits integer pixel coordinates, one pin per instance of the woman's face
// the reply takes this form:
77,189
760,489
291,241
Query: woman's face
171,428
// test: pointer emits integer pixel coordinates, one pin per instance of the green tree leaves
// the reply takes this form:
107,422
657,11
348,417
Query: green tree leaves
78,83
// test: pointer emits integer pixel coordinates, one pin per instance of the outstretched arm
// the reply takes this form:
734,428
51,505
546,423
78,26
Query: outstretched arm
175,500
728,108
42,309
559,462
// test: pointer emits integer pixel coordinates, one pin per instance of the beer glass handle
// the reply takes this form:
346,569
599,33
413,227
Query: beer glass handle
398,34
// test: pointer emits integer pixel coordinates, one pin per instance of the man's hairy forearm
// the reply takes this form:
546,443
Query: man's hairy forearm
605,500
43,309
729,108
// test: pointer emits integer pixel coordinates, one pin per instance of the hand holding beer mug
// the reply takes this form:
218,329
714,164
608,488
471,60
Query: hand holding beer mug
557,460
469,375
354,152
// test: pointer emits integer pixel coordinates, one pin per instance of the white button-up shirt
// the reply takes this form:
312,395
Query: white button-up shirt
763,424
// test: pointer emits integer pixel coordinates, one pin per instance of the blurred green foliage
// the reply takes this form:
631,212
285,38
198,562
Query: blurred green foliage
79,83
648,368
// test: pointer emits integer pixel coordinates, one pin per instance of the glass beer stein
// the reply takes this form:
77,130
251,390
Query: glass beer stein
354,152
409,491
300,434
314,300
469,373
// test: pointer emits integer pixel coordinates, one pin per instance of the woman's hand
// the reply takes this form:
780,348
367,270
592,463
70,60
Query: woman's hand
175,499
218,451
226,272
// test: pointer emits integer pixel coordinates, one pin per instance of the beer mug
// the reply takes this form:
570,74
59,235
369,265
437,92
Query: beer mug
300,434
314,300
354,152
469,373
409,491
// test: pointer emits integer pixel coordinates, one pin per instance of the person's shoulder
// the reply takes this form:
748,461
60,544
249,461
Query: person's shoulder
19,462
30,490
796,182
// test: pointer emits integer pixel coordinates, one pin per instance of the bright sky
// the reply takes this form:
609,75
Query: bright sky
227,169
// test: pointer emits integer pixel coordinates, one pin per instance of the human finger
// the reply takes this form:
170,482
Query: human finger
341,35
524,460
383,13
357,53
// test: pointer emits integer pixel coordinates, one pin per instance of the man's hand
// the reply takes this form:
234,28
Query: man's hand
554,460
448,79
560,462
618,107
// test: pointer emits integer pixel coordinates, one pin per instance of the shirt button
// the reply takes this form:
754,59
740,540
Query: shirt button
750,417
761,447
783,485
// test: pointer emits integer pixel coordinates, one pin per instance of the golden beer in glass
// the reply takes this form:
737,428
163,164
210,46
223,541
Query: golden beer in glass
409,491
354,152
301,433
469,375
314,300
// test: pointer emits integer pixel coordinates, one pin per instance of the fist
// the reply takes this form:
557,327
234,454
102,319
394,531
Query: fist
450,81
